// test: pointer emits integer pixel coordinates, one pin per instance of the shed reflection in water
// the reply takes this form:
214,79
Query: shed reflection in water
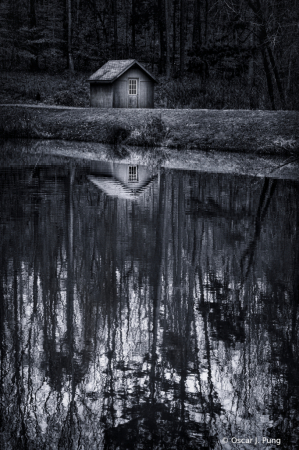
160,315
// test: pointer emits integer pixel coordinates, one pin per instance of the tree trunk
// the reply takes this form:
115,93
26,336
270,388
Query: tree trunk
158,266
289,73
174,32
115,35
269,78
133,28
251,72
206,20
277,77
32,15
266,49
161,36
182,37
70,61
196,37
167,37
264,202
78,12
32,24
70,254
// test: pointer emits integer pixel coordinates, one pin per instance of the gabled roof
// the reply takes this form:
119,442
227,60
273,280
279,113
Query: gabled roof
115,188
114,68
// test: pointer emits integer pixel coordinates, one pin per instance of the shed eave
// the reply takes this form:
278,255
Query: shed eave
102,81
146,71
141,67
111,80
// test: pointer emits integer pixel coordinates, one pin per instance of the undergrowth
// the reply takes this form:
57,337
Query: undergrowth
20,126
61,89
67,89
150,133
148,138
194,93
115,134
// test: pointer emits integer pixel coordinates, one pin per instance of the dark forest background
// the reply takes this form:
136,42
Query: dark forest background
206,53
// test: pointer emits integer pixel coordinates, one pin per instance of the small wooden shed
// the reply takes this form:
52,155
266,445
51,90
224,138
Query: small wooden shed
122,180
122,83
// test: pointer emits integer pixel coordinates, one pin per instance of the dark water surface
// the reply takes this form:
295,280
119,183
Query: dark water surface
148,310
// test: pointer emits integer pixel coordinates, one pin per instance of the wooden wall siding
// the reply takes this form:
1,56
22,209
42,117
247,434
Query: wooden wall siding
146,99
120,96
101,95
121,173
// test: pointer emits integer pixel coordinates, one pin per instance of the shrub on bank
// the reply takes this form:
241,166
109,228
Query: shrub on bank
21,126
192,92
150,134
115,134
59,89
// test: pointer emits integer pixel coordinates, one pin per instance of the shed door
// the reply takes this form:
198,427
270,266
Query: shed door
133,93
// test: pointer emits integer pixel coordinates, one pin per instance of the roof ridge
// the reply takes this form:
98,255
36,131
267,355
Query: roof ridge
114,68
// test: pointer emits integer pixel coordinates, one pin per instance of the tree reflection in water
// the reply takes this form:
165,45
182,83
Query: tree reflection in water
163,318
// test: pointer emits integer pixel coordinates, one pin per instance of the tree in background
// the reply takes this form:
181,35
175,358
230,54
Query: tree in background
70,62
219,54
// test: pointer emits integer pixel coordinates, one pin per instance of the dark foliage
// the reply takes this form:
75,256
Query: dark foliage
151,133
252,45
21,127
115,134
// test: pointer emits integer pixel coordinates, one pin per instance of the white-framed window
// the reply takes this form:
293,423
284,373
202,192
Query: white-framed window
132,86
133,173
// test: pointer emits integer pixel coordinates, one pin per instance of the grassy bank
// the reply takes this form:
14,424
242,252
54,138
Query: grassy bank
16,152
263,132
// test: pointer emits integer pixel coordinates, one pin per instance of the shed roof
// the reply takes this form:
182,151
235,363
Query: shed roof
114,68
115,188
